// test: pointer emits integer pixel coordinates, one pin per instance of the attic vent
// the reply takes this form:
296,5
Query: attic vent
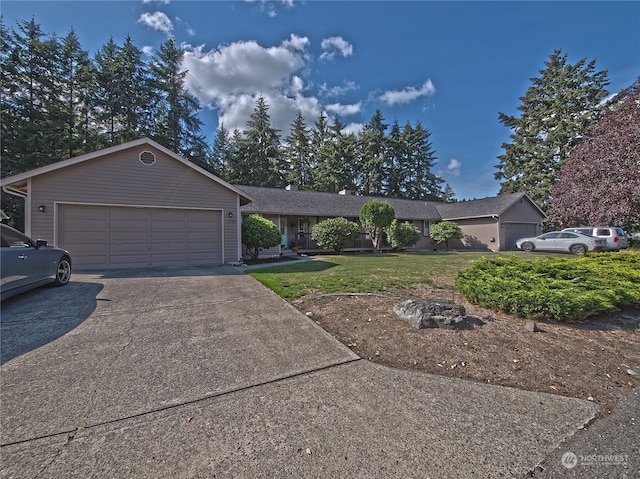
147,158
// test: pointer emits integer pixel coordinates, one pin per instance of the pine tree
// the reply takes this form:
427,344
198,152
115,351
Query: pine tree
76,78
448,195
297,152
338,153
220,151
177,123
30,106
556,112
373,157
421,182
260,154
236,170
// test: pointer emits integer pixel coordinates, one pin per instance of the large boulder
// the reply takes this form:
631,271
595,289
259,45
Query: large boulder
428,313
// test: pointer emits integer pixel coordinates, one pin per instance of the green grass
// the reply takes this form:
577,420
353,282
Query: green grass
368,273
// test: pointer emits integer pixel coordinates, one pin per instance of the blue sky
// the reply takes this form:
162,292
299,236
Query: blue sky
450,65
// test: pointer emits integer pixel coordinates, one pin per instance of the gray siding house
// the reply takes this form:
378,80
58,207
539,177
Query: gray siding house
136,204
140,204
489,224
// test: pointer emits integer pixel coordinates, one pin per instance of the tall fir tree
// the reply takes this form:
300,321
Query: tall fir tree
297,153
220,152
76,79
30,106
373,156
260,155
556,112
421,183
338,154
178,126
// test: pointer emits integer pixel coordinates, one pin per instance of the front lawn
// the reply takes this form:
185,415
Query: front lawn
369,273
534,285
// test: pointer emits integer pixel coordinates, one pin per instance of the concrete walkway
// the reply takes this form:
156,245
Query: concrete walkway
201,373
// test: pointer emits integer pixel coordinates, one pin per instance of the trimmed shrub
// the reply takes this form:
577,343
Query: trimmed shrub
445,231
376,217
401,235
563,289
258,233
335,233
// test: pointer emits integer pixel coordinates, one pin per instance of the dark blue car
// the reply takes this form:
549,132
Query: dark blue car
28,264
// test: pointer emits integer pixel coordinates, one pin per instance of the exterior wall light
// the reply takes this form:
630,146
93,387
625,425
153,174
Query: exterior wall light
42,208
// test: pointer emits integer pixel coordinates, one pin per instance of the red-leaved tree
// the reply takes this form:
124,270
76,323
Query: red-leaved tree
600,182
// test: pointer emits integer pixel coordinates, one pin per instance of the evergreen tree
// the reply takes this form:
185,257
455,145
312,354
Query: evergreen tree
396,169
338,155
30,106
76,77
220,152
556,112
297,153
236,170
109,97
177,123
319,136
448,195
260,154
373,157
420,183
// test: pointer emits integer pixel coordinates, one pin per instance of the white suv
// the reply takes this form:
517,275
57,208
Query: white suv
616,237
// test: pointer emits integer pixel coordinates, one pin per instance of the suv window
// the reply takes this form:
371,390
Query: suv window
603,232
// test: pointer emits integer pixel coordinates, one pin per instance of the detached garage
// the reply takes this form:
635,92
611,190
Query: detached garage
137,204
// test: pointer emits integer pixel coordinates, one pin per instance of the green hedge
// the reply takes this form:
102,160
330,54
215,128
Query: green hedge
562,289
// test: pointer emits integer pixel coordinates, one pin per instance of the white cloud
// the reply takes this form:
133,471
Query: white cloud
344,110
337,91
453,168
157,21
354,128
333,46
408,94
165,2
148,50
231,77
271,7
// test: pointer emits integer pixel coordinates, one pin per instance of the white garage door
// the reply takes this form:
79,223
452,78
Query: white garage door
514,231
115,237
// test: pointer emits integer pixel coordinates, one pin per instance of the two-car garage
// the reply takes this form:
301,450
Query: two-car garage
117,236
133,205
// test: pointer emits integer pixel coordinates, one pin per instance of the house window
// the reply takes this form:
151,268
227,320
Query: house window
426,227
147,158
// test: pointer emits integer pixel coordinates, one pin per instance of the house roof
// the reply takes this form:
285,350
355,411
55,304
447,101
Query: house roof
17,184
314,203
278,201
482,208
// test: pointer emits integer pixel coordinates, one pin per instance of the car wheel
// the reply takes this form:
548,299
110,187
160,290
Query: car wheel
63,272
578,249
528,247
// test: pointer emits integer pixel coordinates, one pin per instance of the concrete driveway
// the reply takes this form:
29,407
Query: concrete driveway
201,373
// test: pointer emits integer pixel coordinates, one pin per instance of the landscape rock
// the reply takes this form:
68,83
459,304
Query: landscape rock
531,326
426,313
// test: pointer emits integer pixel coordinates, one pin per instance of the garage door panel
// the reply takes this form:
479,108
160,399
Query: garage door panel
515,231
99,236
